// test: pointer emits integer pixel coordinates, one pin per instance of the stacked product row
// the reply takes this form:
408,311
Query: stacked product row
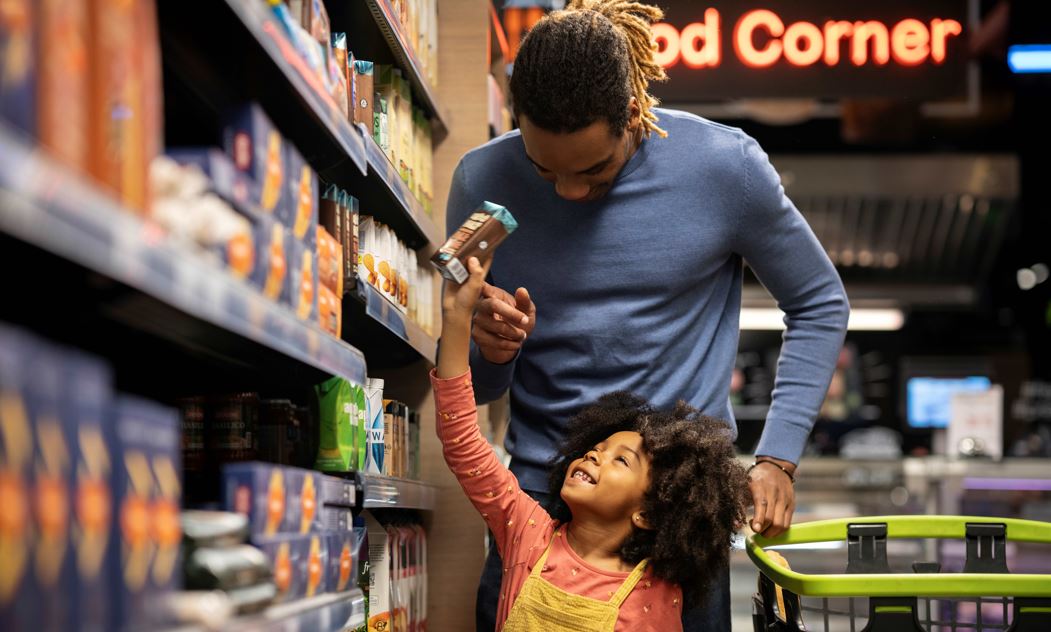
376,97
84,79
91,487
397,591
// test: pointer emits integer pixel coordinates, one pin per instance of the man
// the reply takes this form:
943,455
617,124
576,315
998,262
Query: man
625,272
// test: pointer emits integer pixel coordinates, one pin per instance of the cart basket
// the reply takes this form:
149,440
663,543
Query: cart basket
985,596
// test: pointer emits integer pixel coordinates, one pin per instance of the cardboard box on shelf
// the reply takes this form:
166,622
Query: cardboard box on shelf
299,210
330,311
18,73
337,448
303,281
345,551
351,228
364,87
64,79
375,446
147,491
336,491
258,149
272,248
380,577
260,492
298,563
330,261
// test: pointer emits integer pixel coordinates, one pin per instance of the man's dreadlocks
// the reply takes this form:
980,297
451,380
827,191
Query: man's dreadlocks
585,63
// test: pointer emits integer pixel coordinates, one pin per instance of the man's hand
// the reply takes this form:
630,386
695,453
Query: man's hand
502,322
773,496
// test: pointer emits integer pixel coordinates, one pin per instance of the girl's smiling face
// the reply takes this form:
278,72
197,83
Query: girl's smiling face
610,480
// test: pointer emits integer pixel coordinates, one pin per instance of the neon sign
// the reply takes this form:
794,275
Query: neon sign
761,39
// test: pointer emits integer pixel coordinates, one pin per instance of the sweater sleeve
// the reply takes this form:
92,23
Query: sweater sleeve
492,488
778,244
491,380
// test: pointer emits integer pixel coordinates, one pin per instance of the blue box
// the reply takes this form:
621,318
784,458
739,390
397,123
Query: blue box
147,494
18,607
276,500
298,563
89,391
303,281
18,72
335,491
300,208
345,552
258,150
271,272
52,556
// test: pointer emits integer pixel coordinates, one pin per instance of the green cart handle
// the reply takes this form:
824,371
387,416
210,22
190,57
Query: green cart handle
903,585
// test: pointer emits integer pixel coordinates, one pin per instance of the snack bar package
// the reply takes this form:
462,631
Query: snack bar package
364,85
258,491
303,281
299,211
64,79
344,558
330,311
330,261
479,235
271,270
258,150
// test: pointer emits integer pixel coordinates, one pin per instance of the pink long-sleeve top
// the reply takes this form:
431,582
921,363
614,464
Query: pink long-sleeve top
523,529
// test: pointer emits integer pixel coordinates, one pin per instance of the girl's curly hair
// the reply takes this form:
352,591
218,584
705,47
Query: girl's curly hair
698,491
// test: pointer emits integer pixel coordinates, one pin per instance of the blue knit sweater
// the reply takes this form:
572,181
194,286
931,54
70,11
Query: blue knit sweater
641,290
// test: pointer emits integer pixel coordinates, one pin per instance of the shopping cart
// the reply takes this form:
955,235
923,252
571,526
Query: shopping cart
871,597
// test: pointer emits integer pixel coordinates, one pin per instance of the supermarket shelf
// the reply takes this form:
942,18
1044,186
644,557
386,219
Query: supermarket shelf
384,492
404,52
53,209
420,230
268,32
324,613
388,337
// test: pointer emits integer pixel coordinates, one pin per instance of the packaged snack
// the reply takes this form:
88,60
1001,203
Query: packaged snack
147,495
345,551
125,93
257,149
300,209
367,271
17,601
18,73
258,491
303,515
351,239
280,433
341,61
479,235
379,577
330,261
330,311
272,244
64,82
52,560
89,389
226,568
298,565
317,22
364,72
231,427
390,435
336,519
375,447
303,281
213,529
329,216
404,151
385,113
336,492
337,451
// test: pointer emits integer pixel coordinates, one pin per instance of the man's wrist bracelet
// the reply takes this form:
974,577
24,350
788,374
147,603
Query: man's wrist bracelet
777,465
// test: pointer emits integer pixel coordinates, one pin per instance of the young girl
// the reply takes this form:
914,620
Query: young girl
647,502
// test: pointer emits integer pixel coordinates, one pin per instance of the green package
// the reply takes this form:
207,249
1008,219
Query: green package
337,416
361,424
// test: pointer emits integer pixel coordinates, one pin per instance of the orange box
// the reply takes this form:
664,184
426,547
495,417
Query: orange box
64,80
330,261
330,311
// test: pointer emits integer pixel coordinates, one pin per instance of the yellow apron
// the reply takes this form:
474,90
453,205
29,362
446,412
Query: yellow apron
542,607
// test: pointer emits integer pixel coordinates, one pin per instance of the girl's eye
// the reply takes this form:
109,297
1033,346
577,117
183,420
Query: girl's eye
622,460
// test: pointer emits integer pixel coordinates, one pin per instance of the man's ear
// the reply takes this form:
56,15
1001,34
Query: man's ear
634,115
639,520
